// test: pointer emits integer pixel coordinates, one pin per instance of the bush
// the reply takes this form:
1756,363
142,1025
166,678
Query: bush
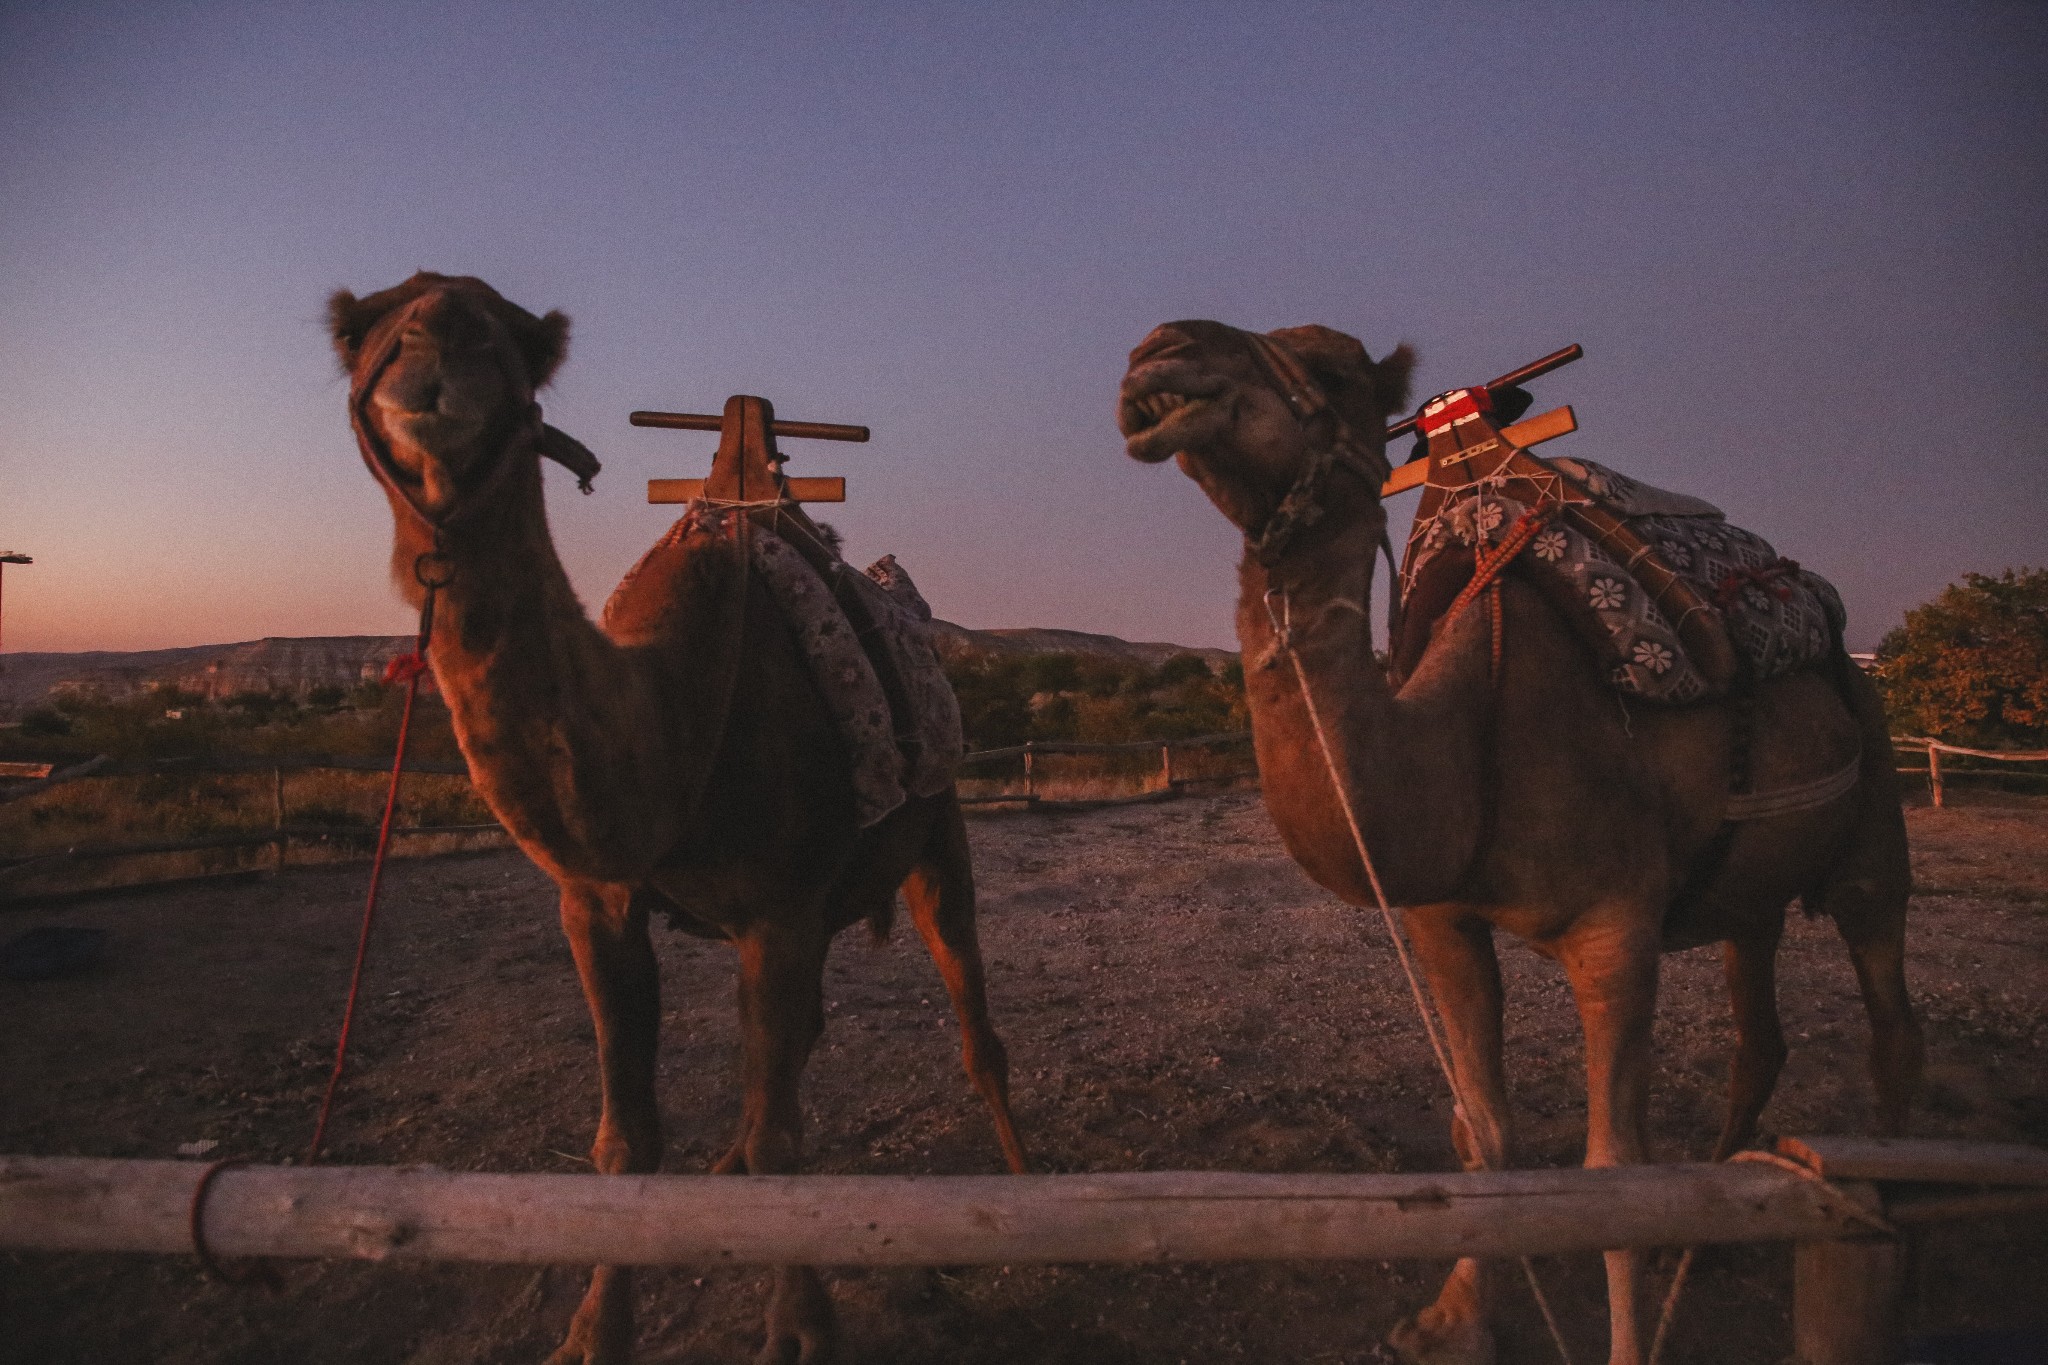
1183,668
45,722
1971,667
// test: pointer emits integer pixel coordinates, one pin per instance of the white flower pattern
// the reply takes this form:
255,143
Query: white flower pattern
1793,621
1653,656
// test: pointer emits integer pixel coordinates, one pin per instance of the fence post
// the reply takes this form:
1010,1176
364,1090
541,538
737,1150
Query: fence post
1845,1297
1934,771
277,818
1030,790
1166,765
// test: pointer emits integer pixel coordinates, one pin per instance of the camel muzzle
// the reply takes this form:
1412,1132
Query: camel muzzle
422,399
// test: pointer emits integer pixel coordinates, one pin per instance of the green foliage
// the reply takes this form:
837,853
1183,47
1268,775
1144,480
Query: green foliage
1183,668
45,722
1971,667
167,723
1006,699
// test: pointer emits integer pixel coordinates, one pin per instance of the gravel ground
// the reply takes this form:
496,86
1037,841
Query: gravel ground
1176,995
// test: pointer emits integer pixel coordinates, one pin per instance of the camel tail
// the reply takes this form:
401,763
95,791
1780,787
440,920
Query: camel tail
1880,828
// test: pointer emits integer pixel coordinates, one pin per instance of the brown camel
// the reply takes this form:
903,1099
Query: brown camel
1539,802
679,758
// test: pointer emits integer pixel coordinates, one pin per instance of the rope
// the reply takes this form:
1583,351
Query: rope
407,668
1283,627
255,1272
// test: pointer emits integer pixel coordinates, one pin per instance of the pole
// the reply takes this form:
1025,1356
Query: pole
1934,772
277,815
11,557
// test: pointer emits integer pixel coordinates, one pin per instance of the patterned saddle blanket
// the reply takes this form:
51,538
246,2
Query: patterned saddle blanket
1679,558
867,637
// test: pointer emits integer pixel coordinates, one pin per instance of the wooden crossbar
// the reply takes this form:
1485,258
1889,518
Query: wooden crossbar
1545,426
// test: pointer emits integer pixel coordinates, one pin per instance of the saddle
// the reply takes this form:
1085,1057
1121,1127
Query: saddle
1678,605
865,636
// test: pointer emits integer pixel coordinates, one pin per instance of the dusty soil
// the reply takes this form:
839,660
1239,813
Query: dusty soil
1175,995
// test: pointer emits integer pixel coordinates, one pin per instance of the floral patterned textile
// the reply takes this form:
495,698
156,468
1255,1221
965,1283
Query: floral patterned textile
1778,616
931,736
893,756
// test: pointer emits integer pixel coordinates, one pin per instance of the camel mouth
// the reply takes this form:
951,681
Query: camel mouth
1165,407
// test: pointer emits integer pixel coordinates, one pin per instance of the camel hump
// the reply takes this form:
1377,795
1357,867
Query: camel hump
1632,497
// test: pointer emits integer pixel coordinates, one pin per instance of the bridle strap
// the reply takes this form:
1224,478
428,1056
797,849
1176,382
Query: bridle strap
532,435
1302,506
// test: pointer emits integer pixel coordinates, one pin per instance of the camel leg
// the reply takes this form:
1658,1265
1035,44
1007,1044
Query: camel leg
1866,896
1751,965
940,893
1611,961
1876,937
615,961
1457,958
782,1013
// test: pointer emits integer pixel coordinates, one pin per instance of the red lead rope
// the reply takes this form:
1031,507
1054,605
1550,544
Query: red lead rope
406,668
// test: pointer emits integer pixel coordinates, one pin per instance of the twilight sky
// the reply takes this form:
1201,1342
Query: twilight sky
1801,243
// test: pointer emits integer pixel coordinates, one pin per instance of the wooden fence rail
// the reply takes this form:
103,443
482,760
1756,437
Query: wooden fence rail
1829,1196
1936,748
370,1212
1170,783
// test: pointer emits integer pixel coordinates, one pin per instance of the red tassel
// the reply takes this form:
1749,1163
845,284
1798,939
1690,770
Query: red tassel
405,668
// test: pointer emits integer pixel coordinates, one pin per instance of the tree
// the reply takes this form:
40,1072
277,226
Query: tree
1971,666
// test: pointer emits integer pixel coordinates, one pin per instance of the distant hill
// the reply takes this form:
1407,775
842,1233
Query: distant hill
298,665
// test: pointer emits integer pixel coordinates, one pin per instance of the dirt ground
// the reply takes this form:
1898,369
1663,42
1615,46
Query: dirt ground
1174,992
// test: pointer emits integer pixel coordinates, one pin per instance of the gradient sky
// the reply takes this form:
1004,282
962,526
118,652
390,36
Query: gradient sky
1801,243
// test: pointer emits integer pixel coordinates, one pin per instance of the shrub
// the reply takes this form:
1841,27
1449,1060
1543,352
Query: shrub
1971,666
45,722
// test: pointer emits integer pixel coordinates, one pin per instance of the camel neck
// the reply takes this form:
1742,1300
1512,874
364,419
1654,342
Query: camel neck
559,724
1411,761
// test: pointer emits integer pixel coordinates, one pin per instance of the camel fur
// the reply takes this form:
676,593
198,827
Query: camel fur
679,758
1539,802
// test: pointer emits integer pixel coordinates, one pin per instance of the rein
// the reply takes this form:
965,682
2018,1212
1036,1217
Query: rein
1302,507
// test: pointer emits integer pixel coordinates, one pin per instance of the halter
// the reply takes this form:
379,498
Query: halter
1302,507
532,434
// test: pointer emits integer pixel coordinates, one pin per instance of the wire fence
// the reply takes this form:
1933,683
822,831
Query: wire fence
271,834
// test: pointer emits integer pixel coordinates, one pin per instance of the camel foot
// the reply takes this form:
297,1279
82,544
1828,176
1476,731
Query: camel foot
1435,1337
802,1329
601,1333
582,1347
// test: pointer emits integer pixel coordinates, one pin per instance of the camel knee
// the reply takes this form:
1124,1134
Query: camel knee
986,1059
1758,1062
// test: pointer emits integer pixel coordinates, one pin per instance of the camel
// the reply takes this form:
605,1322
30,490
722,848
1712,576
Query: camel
1538,802
678,758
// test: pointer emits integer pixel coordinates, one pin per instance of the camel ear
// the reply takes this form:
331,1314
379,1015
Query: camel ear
543,342
1391,377
349,320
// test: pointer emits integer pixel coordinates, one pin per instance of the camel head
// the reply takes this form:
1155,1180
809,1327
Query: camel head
1247,416
442,372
